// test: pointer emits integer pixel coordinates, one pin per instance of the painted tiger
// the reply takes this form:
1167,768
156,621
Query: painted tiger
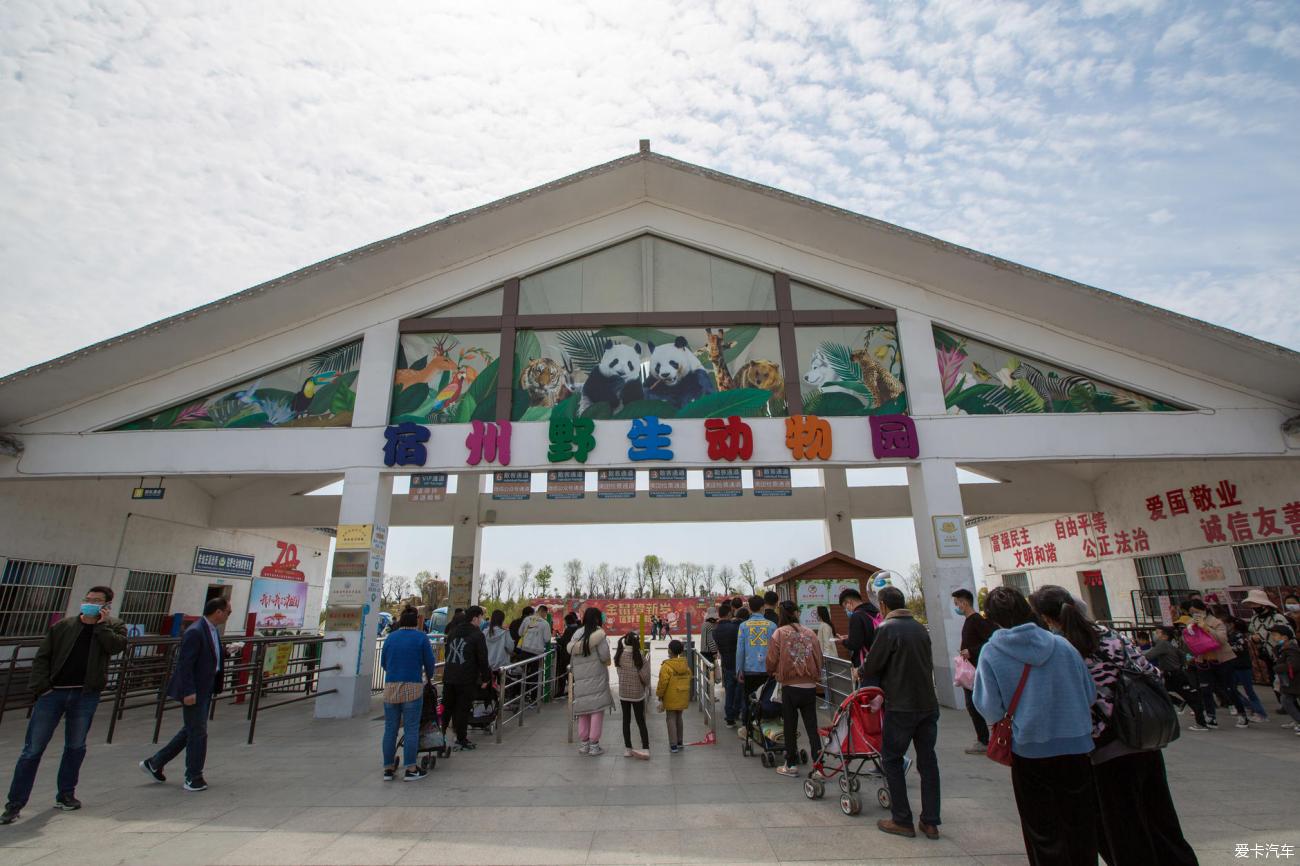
546,382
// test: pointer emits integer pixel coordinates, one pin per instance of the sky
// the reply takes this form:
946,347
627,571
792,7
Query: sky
157,156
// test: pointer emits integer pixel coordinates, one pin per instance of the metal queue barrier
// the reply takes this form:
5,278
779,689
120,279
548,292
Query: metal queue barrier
705,677
529,680
438,641
841,680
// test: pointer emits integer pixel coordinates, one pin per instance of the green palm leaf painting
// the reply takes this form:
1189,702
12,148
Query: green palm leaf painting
340,359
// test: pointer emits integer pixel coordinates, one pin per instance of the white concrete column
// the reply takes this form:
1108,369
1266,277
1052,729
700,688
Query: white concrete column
920,364
933,490
466,541
838,525
367,498
375,380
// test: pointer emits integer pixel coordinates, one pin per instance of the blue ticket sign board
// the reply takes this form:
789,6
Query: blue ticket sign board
772,481
511,485
667,483
616,484
220,562
721,482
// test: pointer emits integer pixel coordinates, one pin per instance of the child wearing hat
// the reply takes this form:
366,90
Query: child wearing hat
1286,653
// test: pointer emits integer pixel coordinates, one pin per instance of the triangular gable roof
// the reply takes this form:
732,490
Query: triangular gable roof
878,246
804,568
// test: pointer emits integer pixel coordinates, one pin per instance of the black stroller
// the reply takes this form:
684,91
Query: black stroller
483,712
433,743
763,727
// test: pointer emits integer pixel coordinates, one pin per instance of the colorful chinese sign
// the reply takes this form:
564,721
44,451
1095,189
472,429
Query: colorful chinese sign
667,483
772,481
512,485
721,482
431,487
278,603
1221,525
566,484
616,484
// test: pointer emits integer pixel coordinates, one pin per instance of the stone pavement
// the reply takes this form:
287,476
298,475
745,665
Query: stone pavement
309,792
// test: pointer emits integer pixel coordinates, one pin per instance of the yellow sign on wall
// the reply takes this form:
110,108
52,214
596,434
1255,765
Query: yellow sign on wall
353,536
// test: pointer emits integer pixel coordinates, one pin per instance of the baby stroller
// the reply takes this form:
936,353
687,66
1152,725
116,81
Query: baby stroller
851,750
763,726
483,712
433,743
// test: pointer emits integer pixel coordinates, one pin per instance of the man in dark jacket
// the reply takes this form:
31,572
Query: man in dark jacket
68,673
465,673
862,624
197,678
724,636
571,627
770,598
900,660
975,632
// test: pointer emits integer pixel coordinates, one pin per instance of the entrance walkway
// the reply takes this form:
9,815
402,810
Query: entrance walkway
309,792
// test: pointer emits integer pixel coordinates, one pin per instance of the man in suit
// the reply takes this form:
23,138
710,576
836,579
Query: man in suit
68,673
197,678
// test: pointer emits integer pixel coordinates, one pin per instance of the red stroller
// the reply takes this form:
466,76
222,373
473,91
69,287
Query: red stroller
851,750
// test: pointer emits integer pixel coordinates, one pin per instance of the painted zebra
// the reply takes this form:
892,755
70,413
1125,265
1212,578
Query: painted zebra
1051,388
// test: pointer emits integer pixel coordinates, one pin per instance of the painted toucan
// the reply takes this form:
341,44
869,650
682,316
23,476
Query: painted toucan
451,393
302,400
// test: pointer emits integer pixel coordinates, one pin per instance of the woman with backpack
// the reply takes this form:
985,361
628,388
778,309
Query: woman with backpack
633,686
1138,820
589,657
1051,729
794,659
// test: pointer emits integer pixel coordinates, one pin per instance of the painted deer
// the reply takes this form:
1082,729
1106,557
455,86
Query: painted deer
716,348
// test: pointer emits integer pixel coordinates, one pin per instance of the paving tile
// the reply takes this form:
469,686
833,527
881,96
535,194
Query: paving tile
251,818
279,848
635,846
362,849
506,848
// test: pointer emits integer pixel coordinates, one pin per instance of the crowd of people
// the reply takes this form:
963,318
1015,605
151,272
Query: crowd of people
1051,688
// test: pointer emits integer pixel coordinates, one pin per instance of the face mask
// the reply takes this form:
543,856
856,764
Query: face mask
91,609
1293,607
957,610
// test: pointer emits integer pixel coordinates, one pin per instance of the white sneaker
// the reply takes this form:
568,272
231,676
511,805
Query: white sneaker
585,748
1243,722
1259,717
594,750
644,754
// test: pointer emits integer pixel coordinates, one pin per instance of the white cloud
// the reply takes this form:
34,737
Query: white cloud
1160,217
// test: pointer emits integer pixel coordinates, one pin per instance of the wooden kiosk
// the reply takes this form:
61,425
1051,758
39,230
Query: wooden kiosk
819,582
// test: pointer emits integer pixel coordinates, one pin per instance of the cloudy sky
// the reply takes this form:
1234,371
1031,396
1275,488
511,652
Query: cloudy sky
154,157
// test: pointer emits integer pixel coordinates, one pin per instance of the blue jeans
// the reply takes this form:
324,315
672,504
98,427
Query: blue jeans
1243,678
733,702
408,715
900,729
79,708
192,738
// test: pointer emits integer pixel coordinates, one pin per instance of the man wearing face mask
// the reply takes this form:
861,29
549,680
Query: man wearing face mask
68,673
975,632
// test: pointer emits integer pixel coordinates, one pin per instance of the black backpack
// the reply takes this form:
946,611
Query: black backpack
1143,717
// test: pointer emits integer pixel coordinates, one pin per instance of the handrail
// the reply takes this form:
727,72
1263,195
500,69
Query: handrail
841,679
532,682
705,676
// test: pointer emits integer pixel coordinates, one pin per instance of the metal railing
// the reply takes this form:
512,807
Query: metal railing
841,679
138,676
705,677
530,681
377,675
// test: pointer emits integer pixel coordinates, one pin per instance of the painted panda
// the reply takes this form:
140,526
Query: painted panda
615,380
675,374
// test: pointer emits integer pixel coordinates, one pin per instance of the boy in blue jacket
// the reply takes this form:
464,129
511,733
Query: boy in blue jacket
752,639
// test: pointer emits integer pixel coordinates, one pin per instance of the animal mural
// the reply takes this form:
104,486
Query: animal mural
447,381
1018,385
867,380
631,372
316,392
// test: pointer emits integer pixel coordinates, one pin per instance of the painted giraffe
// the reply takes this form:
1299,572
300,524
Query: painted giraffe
720,371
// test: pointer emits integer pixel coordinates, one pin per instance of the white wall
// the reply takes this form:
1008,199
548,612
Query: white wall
95,525
1122,496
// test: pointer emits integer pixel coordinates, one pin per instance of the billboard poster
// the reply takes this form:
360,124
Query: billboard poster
667,483
431,487
616,484
566,484
812,592
721,482
772,481
511,485
278,603
623,615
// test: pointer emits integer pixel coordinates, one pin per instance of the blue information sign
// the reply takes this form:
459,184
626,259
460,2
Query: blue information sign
220,562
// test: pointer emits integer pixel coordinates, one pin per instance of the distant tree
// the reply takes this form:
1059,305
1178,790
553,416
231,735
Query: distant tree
913,589
494,586
432,589
525,578
791,563
748,576
727,578
545,575
678,577
705,581
573,576
982,597
622,576
395,589
654,572
638,569
604,580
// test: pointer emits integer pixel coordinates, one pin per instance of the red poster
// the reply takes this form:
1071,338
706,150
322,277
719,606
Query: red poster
623,615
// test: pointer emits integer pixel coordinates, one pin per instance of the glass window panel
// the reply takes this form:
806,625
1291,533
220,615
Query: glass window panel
446,378
314,392
608,281
485,304
982,379
1017,580
687,280
805,297
851,370
613,373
